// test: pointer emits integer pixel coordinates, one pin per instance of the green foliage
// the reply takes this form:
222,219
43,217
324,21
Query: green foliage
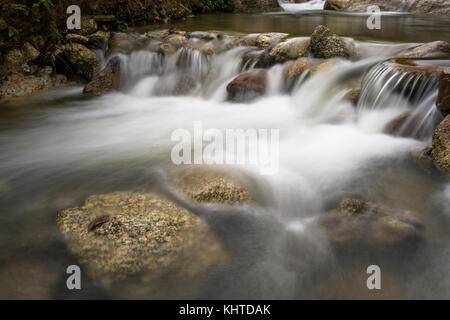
12,33
221,5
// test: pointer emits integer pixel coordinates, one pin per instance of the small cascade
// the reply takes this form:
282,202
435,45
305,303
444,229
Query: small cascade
298,7
412,85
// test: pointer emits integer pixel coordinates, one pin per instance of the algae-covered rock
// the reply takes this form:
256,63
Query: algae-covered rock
213,187
84,60
124,234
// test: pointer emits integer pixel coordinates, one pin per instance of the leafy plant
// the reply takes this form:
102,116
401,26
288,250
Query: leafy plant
12,32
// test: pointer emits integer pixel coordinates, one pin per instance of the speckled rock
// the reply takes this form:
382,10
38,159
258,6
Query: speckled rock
441,146
123,234
76,38
107,80
212,187
290,49
326,44
371,225
82,59
30,53
264,40
99,39
176,40
294,69
88,26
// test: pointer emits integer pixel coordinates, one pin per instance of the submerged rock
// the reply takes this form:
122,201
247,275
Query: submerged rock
212,187
436,49
441,145
288,50
321,67
443,100
336,4
406,125
82,59
326,44
121,42
424,159
106,80
124,234
99,39
248,85
359,223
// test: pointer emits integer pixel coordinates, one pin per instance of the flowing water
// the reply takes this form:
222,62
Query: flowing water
60,147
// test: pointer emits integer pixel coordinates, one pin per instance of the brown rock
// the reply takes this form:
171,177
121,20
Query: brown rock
326,44
441,146
436,49
443,100
106,80
371,225
248,85
82,59
405,125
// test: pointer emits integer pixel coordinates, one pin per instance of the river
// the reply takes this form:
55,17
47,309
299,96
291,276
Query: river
58,148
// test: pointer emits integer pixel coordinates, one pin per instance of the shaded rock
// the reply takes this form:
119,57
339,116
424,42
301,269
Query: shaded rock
106,80
353,95
424,159
248,85
326,44
288,50
264,40
145,236
336,4
104,18
441,146
30,53
82,59
99,39
406,125
254,58
19,85
357,223
166,48
77,38
436,49
120,42
14,59
3,24
88,26
212,187
443,100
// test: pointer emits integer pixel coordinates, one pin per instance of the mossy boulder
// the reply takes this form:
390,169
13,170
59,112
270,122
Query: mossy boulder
326,44
143,235
212,187
357,223
441,146
82,59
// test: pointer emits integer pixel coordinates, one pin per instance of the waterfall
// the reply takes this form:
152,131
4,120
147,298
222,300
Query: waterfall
298,7
390,84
